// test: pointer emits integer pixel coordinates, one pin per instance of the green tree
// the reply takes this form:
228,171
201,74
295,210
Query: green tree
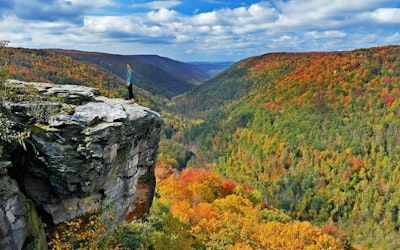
10,131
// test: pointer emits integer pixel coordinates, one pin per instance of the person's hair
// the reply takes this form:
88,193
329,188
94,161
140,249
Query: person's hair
130,64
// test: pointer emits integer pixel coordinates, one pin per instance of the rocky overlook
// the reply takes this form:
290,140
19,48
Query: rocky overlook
84,152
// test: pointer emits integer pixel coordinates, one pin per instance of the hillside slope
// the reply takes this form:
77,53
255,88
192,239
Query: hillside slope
182,70
40,65
159,75
317,133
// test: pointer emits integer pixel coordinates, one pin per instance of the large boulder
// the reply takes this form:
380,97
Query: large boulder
85,152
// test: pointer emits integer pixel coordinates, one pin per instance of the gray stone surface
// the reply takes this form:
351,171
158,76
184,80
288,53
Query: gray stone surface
85,151
19,227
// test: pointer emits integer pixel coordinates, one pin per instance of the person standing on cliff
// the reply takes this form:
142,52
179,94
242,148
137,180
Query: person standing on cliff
130,81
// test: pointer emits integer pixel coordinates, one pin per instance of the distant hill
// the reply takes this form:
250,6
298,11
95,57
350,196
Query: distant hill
317,133
40,65
182,70
212,68
159,75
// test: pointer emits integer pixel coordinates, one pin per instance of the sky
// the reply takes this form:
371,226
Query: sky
200,30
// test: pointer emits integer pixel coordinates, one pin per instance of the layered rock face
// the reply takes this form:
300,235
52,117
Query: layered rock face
85,152
20,226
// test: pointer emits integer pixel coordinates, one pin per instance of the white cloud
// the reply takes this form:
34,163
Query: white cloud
155,5
326,14
326,34
283,39
13,30
386,15
239,21
207,18
119,28
95,24
162,15
87,3
296,25
394,38
255,14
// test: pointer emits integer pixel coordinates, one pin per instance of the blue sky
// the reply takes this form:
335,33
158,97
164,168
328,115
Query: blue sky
204,30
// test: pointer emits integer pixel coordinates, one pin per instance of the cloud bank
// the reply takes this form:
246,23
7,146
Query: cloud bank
201,30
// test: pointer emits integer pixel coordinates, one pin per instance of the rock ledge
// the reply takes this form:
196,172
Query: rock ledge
85,151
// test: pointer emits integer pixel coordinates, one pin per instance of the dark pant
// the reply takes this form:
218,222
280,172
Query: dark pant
131,95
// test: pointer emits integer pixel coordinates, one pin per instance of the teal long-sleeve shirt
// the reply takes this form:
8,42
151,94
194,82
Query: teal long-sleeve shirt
130,77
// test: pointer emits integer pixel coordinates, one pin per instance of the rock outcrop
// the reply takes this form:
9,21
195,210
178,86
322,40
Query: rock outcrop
20,226
85,151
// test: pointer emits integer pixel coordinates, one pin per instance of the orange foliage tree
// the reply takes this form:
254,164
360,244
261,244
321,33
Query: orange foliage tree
224,214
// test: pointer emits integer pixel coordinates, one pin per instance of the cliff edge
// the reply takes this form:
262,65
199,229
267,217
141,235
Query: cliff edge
83,153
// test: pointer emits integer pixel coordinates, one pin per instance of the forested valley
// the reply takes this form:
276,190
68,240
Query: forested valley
318,134
279,151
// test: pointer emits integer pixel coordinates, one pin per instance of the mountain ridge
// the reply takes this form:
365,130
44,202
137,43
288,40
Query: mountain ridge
184,70
152,73
212,68
161,76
